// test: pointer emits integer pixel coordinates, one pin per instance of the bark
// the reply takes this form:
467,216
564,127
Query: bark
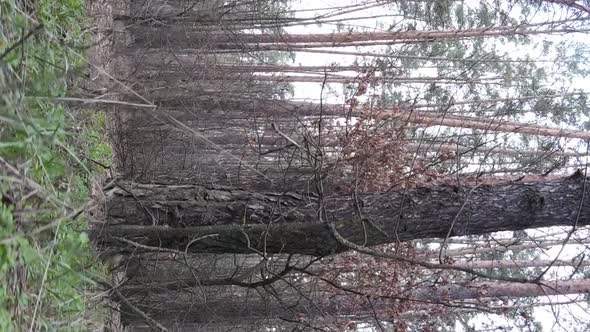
423,119
232,304
266,325
174,76
194,218
195,10
224,149
337,303
165,272
165,276
153,60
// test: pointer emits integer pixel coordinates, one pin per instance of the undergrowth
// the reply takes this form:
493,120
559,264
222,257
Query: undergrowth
50,155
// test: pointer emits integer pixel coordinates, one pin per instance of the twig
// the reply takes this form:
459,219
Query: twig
21,41
45,274
289,139
147,318
154,220
196,240
95,101
374,253
443,245
572,4
148,248
375,313
249,244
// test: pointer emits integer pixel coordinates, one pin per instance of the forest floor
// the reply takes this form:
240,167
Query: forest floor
53,158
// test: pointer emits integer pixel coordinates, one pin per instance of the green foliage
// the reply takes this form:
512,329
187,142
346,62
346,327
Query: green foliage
46,265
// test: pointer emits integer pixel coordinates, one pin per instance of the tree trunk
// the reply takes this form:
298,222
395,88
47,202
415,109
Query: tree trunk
483,149
185,37
313,303
194,218
174,75
165,61
480,290
432,119
171,96
517,264
513,246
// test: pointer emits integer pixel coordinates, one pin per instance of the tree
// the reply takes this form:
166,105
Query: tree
224,163
189,38
198,219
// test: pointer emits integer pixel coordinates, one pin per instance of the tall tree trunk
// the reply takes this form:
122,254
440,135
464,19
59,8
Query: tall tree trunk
316,302
455,121
171,96
178,65
462,149
517,264
194,218
175,75
185,37
497,248
482,290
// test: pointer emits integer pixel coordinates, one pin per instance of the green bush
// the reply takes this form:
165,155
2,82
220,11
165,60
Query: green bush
46,149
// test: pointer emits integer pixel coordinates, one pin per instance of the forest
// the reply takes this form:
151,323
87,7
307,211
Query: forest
294,165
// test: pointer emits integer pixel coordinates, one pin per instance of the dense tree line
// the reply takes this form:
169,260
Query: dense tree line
408,195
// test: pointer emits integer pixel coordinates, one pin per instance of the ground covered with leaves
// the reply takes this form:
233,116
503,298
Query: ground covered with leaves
51,154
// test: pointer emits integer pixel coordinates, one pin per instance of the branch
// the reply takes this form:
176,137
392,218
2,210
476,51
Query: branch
21,41
399,258
147,318
289,139
572,4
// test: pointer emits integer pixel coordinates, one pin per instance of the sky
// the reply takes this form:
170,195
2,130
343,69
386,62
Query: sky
311,91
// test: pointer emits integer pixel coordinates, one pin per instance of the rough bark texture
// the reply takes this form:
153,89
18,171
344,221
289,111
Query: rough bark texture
231,148
233,304
198,219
